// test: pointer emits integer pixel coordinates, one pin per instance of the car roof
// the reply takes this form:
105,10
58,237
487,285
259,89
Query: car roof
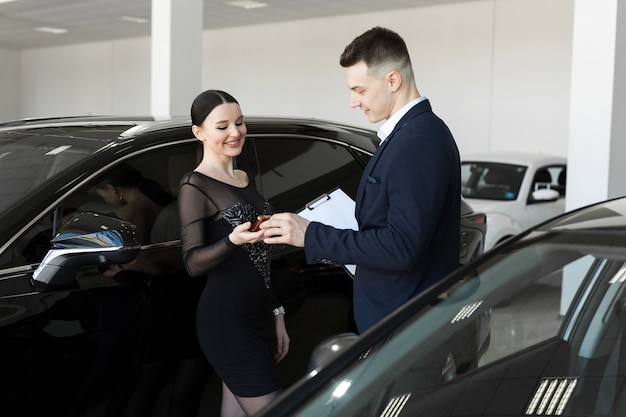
604,217
74,121
516,158
143,125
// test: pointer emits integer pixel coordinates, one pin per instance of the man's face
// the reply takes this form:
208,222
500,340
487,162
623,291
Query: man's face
370,94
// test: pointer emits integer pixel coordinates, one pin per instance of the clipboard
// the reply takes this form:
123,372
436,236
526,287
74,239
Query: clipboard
335,209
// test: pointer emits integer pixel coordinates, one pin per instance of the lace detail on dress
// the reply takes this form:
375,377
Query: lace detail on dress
259,252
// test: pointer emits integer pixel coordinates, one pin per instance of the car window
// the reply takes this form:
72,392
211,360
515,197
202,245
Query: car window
158,171
155,176
31,247
29,158
291,172
491,181
553,307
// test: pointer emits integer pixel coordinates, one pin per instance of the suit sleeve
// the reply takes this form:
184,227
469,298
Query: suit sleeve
400,209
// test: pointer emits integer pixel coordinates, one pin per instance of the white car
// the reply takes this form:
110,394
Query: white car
516,190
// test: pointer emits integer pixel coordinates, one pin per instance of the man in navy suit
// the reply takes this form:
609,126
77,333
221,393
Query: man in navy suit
408,201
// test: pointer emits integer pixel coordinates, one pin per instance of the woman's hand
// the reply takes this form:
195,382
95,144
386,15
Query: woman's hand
282,338
242,234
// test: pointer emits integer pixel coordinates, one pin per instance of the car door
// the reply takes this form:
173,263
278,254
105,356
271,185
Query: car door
293,170
82,344
290,171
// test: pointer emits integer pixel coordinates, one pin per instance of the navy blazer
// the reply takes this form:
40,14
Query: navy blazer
408,209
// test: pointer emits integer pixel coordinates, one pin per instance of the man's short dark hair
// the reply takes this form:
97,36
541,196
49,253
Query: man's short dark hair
380,49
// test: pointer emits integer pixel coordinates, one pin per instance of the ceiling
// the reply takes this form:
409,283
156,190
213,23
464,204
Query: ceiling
99,20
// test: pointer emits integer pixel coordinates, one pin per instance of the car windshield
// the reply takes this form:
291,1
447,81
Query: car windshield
30,157
491,181
552,313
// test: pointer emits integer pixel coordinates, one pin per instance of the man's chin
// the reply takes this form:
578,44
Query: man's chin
373,119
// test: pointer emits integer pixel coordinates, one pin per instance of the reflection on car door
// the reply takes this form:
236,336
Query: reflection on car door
293,171
88,345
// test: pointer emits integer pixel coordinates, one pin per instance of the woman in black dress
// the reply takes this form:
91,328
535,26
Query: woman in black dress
240,326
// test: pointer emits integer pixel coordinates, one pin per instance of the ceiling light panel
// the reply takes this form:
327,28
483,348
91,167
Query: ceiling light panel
51,30
246,4
133,19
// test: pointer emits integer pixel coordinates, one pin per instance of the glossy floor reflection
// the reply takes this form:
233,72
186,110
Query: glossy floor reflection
527,318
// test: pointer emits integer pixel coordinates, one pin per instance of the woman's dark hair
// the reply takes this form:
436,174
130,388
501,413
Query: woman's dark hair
126,176
120,176
206,102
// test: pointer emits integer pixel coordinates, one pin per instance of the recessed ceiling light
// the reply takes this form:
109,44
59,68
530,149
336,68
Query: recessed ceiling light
246,4
133,19
47,29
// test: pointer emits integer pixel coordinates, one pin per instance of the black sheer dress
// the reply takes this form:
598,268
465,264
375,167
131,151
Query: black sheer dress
235,324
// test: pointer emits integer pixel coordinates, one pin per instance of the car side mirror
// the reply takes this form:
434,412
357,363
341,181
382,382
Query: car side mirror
87,239
545,195
329,348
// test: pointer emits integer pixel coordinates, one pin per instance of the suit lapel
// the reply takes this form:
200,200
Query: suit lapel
367,174
421,107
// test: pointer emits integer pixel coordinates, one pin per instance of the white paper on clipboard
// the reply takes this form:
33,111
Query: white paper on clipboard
335,209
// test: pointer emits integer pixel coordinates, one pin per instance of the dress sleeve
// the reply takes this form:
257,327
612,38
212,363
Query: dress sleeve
195,208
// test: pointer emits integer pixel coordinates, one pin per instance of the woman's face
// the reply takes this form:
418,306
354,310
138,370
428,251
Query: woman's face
223,132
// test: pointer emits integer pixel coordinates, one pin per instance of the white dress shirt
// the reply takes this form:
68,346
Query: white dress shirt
386,129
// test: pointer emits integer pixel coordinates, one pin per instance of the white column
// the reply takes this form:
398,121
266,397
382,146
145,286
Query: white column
596,169
597,136
176,56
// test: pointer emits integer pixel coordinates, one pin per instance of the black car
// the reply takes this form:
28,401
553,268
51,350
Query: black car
78,339
556,297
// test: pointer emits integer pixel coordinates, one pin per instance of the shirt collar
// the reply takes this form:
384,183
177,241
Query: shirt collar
386,129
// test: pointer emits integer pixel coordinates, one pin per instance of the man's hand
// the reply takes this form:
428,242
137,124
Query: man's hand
285,229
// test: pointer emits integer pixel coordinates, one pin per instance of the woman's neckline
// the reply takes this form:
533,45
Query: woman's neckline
238,186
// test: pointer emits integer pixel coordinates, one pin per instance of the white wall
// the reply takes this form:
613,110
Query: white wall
87,79
9,84
497,71
498,80
531,75
299,73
